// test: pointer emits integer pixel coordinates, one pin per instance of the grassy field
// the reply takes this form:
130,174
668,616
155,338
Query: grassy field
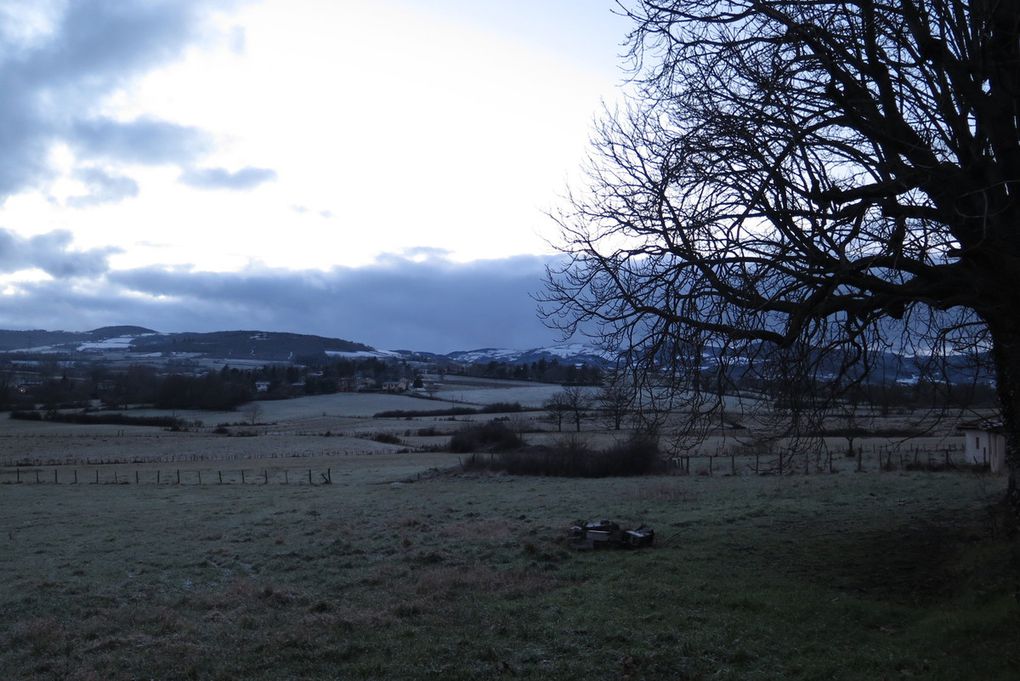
405,567
454,576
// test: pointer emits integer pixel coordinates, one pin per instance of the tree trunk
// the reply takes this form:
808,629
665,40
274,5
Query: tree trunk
1006,353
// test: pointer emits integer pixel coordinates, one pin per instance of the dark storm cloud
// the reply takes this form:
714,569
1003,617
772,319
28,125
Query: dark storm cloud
51,82
221,178
435,305
49,252
102,188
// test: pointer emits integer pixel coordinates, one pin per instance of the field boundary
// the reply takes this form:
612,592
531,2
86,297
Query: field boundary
54,476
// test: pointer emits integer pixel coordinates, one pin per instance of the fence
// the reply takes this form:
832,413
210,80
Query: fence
882,458
97,476
89,461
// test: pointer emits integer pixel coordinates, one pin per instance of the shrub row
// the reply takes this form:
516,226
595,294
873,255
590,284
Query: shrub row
493,436
101,419
494,408
494,447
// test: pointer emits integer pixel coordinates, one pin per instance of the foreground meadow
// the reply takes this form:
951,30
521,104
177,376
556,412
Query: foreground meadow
390,574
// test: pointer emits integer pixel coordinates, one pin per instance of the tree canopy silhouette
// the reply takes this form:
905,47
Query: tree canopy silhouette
817,178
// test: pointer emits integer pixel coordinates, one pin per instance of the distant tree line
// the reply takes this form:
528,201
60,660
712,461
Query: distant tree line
52,385
541,370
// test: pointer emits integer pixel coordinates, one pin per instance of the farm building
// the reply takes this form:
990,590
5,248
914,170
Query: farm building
984,442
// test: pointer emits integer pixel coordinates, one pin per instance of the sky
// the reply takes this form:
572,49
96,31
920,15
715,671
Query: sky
378,171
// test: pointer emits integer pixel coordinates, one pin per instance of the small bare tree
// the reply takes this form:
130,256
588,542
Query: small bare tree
578,401
615,400
252,412
557,407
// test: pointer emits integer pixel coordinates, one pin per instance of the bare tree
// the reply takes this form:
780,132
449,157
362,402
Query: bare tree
578,401
557,408
835,177
253,411
615,399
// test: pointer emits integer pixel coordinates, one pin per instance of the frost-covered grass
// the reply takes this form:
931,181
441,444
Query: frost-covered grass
845,576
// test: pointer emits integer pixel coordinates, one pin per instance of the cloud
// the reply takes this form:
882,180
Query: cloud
102,188
58,60
433,305
221,178
50,253
144,140
323,213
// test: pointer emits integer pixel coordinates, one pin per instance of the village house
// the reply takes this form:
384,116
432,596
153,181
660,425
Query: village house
396,386
984,443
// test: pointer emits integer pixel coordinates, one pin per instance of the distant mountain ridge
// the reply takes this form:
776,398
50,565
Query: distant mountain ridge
246,344
123,342
127,344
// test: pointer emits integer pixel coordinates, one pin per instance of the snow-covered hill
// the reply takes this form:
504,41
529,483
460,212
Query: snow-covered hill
567,353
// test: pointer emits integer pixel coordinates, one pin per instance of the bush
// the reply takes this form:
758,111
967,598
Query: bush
412,413
81,418
493,436
501,408
386,438
638,455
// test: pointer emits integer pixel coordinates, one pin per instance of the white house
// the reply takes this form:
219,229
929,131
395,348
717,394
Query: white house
984,443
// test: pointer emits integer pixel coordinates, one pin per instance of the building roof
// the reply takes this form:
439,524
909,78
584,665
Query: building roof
992,425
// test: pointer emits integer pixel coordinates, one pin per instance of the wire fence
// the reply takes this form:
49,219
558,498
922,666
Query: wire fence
882,458
57,475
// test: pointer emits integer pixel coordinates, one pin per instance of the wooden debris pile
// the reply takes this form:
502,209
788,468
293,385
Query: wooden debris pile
605,534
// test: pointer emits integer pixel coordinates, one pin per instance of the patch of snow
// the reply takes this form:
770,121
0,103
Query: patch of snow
40,349
574,349
118,343
563,351
488,354
355,354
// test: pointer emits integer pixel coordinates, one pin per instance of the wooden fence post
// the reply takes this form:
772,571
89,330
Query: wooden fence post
309,476
221,476
37,477
136,477
178,476
76,476
733,464
97,476
55,476
242,476
157,476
